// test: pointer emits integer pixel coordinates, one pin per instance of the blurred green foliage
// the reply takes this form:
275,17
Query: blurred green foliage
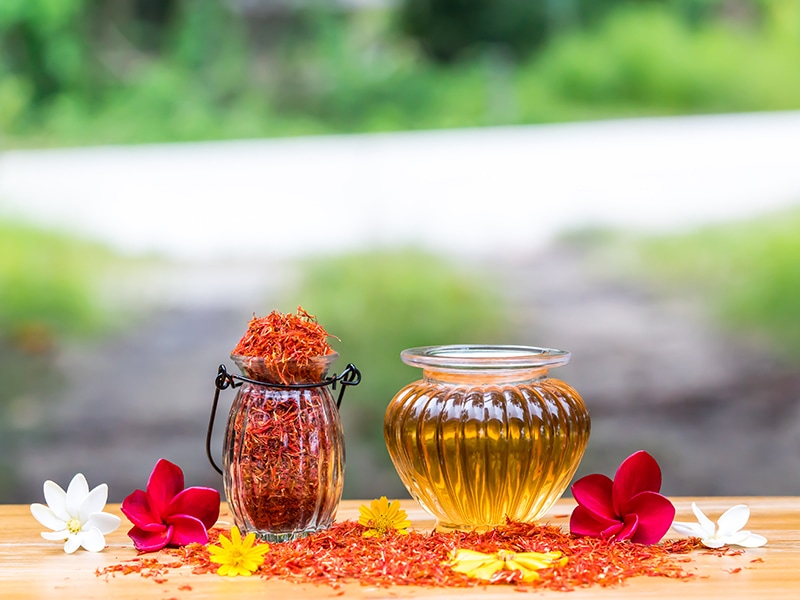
451,30
48,285
448,30
752,270
745,272
381,302
648,61
88,72
48,291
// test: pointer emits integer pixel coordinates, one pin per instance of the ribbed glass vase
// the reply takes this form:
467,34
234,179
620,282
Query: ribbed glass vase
486,434
283,461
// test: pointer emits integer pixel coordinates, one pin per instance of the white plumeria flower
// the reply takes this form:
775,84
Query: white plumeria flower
76,515
727,532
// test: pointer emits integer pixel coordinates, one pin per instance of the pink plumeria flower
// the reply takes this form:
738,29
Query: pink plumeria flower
727,532
166,514
76,516
628,508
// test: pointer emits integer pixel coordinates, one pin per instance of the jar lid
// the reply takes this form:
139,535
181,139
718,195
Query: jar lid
484,357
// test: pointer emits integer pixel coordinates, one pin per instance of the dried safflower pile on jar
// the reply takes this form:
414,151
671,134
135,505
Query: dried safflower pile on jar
284,347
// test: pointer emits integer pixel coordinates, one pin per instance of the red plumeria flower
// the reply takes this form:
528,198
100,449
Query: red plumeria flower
627,508
167,514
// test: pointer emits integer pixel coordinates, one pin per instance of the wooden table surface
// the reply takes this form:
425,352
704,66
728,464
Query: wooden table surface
31,567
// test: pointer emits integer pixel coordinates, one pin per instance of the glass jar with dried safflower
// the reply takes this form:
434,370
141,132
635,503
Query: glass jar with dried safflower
283,449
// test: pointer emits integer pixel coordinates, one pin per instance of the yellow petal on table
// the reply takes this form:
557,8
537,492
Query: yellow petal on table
539,560
484,566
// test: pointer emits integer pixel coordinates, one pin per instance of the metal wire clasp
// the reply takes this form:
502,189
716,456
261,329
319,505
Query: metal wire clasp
350,376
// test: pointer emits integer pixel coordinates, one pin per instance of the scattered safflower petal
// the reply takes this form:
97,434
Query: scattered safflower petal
727,532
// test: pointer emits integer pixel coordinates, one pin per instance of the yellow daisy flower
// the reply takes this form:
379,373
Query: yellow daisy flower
383,516
484,566
237,556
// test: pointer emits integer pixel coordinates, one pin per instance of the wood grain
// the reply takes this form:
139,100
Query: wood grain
31,567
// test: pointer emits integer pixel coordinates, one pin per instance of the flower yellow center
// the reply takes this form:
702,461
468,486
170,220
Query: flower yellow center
381,523
74,526
236,557
506,555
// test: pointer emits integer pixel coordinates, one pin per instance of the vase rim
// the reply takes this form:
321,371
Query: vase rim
267,370
484,357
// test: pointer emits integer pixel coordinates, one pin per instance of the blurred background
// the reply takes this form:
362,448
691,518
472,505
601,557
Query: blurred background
616,178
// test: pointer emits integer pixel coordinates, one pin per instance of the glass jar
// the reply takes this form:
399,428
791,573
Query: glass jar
486,435
283,458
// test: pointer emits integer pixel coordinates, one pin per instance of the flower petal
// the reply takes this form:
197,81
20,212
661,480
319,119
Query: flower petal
690,529
47,517
236,536
226,544
734,538
584,522
706,524
366,517
613,530
536,560
187,529
471,561
94,502
593,492
637,473
733,520
149,541
136,506
486,570
77,491
250,565
73,543
92,540
655,514
201,503
248,541
259,550
103,522
630,527
713,542
165,482
55,536
56,499
753,540
463,555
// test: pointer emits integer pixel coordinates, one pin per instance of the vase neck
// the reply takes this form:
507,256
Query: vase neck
484,377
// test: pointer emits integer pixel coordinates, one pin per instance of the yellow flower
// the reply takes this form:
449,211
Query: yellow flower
382,516
484,566
236,556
